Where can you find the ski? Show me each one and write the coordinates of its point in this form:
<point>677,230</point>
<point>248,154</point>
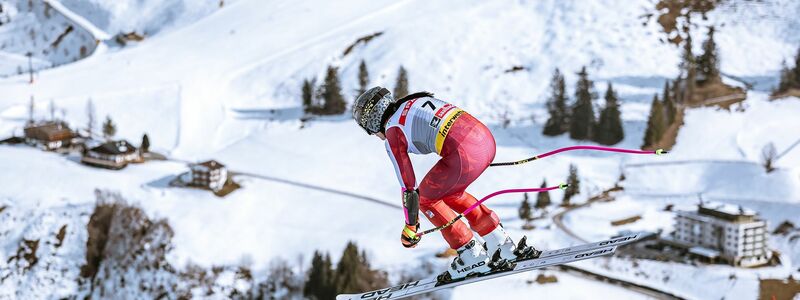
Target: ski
<point>616,241</point>
<point>547,258</point>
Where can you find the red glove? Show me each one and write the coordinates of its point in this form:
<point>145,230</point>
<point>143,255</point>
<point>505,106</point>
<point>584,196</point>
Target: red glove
<point>409,237</point>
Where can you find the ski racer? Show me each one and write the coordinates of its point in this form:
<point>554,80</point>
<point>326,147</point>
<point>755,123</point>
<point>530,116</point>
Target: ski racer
<point>421,124</point>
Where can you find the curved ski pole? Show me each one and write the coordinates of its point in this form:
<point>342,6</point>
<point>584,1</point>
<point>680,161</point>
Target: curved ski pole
<point>562,186</point>
<point>598,148</point>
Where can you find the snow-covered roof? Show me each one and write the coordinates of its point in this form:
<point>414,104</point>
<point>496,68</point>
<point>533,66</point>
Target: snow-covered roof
<point>728,208</point>
<point>115,148</point>
<point>703,251</point>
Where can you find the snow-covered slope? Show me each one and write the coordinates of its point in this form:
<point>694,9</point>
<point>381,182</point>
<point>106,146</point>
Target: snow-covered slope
<point>238,59</point>
<point>227,87</point>
<point>144,17</point>
<point>37,28</point>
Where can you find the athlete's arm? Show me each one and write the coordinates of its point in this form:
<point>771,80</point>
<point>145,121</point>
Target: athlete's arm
<point>397,148</point>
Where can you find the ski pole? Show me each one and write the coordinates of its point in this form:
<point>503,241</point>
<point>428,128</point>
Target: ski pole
<point>598,148</point>
<point>562,186</point>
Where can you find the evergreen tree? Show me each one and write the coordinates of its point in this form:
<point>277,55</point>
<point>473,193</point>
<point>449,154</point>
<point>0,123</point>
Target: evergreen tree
<point>574,185</point>
<point>655,124</point>
<point>308,96</point>
<point>582,118</point>
<point>401,88</point>
<point>787,79</point>
<point>320,278</point>
<point>543,198</point>
<point>708,62</point>
<point>558,122</point>
<point>670,108</point>
<point>609,130</point>
<point>676,92</point>
<point>525,209</point>
<point>109,128</point>
<point>363,78</point>
<point>144,147</point>
<point>331,93</point>
<point>688,68</point>
<point>90,119</point>
<point>353,273</point>
<point>796,70</point>
<point>790,77</point>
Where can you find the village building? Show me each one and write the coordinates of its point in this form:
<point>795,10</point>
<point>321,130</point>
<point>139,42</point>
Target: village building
<point>209,174</point>
<point>718,231</point>
<point>112,155</point>
<point>49,135</point>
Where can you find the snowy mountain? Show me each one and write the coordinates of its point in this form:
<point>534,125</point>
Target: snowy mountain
<point>223,82</point>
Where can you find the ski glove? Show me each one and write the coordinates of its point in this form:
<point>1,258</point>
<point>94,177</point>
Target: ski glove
<point>409,236</point>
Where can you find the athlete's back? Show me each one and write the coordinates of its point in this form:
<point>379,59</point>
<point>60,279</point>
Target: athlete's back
<point>425,122</point>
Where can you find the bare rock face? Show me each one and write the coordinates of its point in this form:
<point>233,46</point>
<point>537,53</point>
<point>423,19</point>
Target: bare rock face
<point>126,253</point>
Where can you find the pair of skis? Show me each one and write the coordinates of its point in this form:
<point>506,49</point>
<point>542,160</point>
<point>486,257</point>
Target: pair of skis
<point>545,259</point>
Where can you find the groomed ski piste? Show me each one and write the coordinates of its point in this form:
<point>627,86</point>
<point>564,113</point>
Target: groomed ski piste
<point>226,84</point>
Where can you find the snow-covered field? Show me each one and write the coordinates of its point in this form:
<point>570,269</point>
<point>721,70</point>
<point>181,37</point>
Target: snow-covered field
<point>716,164</point>
<point>224,83</point>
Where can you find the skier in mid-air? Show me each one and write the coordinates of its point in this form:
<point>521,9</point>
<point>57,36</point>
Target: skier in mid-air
<point>421,124</point>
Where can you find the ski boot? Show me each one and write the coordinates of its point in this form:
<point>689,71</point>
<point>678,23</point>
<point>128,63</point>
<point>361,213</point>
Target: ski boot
<point>472,261</point>
<point>499,240</point>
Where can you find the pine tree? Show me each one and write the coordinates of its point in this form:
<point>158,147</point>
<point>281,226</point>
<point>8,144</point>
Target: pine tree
<point>348,270</point>
<point>363,78</point>
<point>655,124</point>
<point>401,88</point>
<point>708,62</point>
<point>331,93</point>
<point>787,79</point>
<point>109,128</point>
<point>790,77</point>
<point>677,97</point>
<point>308,96</point>
<point>558,122</point>
<point>90,119</point>
<point>582,118</point>
<point>353,273</point>
<point>525,209</point>
<point>543,198</point>
<point>320,278</point>
<point>688,68</point>
<point>670,108</point>
<point>144,147</point>
<point>796,70</point>
<point>609,130</point>
<point>574,185</point>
